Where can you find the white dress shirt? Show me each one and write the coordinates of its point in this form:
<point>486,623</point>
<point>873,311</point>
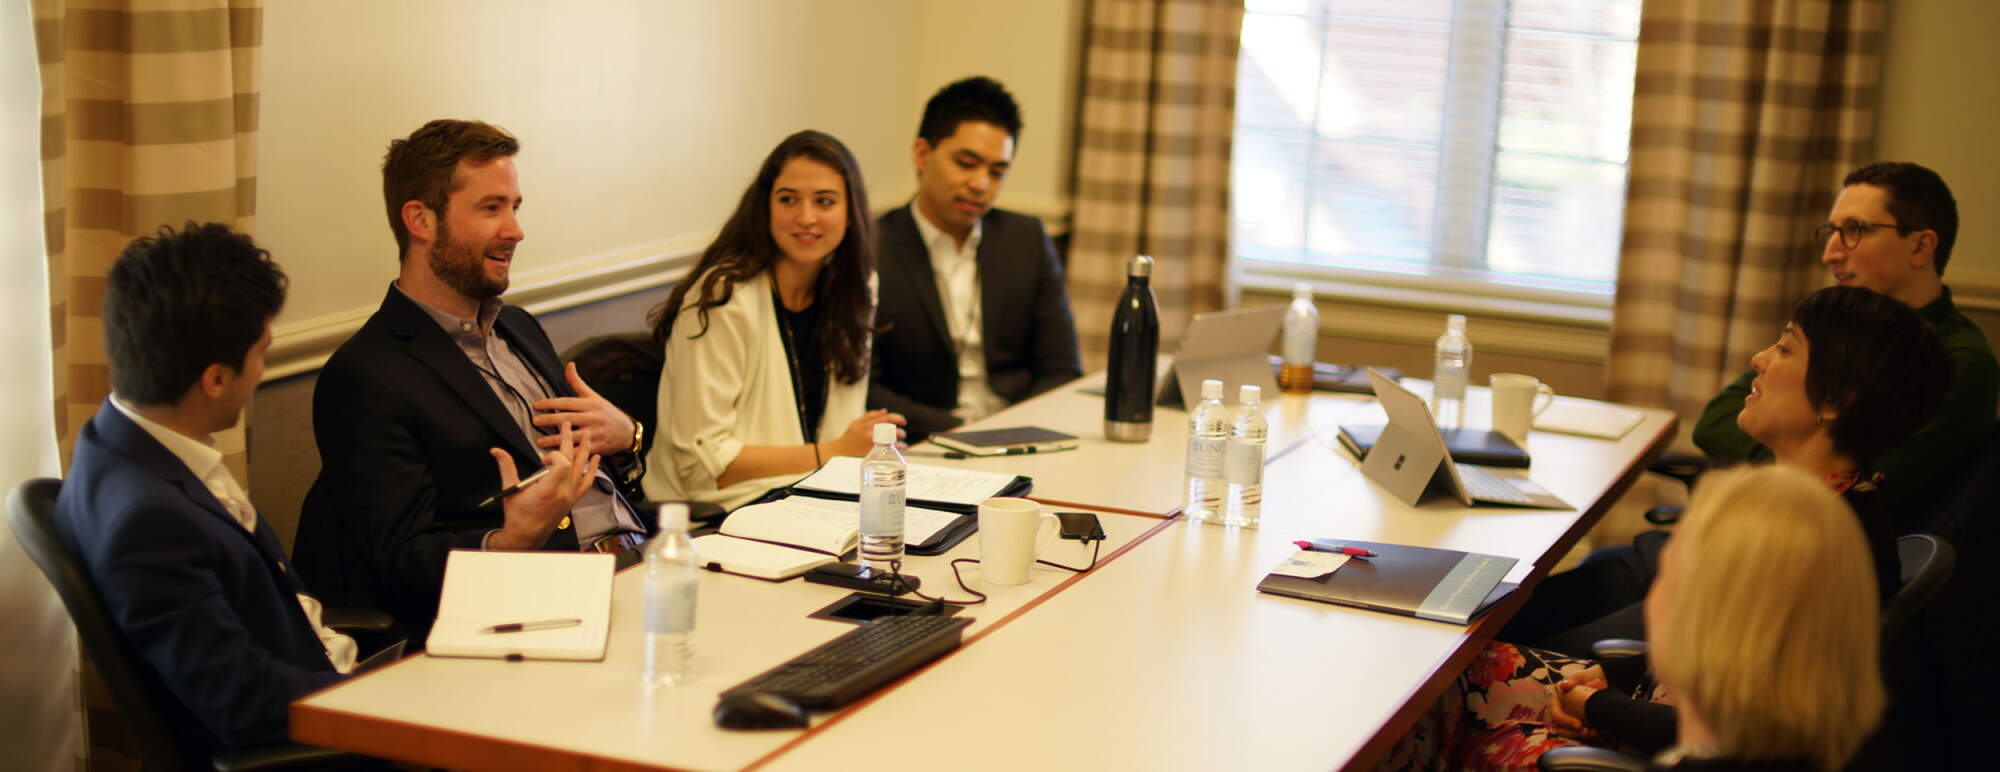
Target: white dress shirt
<point>206,463</point>
<point>957,269</point>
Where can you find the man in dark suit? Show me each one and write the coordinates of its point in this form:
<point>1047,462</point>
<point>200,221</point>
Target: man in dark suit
<point>447,395</point>
<point>973,299</point>
<point>192,574</point>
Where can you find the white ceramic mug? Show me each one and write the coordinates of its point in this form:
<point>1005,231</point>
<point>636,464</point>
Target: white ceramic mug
<point>1517,399</point>
<point>1012,533</point>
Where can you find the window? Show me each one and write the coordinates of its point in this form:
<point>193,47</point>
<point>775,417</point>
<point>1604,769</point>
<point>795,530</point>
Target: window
<point>1476,146</point>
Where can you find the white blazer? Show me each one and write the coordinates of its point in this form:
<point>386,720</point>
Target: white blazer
<point>729,388</point>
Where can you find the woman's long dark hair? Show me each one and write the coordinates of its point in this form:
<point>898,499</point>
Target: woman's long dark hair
<point>745,248</point>
<point>1876,362</point>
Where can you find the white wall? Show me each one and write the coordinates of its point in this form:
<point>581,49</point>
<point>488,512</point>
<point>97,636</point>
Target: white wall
<point>641,121</point>
<point>38,673</point>
<point>1939,105</point>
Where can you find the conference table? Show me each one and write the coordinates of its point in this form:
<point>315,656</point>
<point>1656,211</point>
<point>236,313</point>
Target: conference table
<point>1164,656</point>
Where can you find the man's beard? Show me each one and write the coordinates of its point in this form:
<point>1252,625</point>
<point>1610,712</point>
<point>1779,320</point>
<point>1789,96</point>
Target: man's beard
<point>463,268</point>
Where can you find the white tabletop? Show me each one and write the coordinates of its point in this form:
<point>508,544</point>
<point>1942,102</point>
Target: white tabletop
<point>487,714</point>
<point>1165,657</point>
<point>1170,658</point>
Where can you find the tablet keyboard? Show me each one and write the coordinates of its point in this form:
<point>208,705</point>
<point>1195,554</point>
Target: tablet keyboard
<point>847,668</point>
<point>1484,486</point>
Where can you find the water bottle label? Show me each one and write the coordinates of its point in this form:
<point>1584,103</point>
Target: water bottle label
<point>672,611</point>
<point>1244,463</point>
<point>1204,458</point>
<point>881,511</point>
<point>1299,349</point>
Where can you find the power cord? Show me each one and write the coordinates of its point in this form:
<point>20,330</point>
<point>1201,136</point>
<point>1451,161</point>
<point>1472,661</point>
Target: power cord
<point>937,604</point>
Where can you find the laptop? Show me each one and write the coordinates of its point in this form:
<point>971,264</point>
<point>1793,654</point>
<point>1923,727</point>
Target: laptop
<point>1229,346</point>
<point>1410,458</point>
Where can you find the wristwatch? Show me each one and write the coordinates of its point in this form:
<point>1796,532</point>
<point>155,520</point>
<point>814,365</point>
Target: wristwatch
<point>638,436</point>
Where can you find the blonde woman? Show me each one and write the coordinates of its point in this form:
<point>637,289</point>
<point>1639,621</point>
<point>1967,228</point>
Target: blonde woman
<point>1786,676</point>
<point>1764,641</point>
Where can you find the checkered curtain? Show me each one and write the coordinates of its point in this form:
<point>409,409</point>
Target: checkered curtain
<point>1745,116</point>
<point>149,118</point>
<point>1158,103</point>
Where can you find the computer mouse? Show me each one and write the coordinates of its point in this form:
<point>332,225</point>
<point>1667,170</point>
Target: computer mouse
<point>758,710</point>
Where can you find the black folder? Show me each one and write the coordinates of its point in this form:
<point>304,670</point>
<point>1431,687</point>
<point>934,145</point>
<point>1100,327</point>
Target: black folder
<point>1444,585</point>
<point>1479,447</point>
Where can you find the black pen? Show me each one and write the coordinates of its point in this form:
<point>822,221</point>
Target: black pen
<point>545,624</point>
<point>928,454</point>
<point>515,488</point>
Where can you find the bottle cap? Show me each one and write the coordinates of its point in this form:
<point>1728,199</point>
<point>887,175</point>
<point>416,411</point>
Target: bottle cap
<point>1142,265</point>
<point>1302,291</point>
<point>1249,395</point>
<point>885,434</point>
<point>1211,389</point>
<point>1455,323</point>
<point>673,516</point>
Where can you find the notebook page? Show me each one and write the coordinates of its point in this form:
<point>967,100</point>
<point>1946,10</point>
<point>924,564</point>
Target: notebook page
<point>842,474</point>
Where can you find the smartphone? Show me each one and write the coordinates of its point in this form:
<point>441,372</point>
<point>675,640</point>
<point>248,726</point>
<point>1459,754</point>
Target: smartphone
<point>1081,526</point>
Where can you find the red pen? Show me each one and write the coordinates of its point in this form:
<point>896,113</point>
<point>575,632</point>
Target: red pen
<point>1355,552</point>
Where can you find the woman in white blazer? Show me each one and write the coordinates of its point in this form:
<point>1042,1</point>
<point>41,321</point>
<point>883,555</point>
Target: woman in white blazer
<point>767,339</point>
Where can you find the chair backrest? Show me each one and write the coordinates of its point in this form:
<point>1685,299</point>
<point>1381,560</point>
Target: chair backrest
<point>150,710</point>
<point>1927,563</point>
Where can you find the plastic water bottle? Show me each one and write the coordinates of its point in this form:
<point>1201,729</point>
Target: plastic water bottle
<point>1135,352</point>
<point>883,476</point>
<point>1301,342</point>
<point>1243,462</point>
<point>1448,376</point>
<point>1208,438</point>
<point>672,578</point>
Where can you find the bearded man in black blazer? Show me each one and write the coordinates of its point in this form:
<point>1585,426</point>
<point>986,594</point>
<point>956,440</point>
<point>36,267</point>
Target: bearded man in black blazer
<point>447,395</point>
<point>190,572</point>
<point>972,297</point>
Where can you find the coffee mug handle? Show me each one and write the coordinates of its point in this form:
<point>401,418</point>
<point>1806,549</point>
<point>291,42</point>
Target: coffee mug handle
<point>1047,530</point>
<point>1544,395</point>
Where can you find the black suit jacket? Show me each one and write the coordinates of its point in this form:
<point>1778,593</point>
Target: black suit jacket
<point>1028,333</point>
<point>403,420</point>
<point>213,609</point>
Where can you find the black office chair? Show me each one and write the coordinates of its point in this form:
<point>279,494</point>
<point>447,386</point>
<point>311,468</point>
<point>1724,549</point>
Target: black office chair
<point>1927,563</point>
<point>159,724</point>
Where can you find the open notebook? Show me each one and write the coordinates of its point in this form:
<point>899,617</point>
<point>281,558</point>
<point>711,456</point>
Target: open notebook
<point>784,538</point>
<point>483,589</point>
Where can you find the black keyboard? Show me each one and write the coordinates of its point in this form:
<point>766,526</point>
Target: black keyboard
<point>847,668</point>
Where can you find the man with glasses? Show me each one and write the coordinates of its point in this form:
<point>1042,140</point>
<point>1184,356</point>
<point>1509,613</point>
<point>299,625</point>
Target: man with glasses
<point>1891,231</point>
<point>447,395</point>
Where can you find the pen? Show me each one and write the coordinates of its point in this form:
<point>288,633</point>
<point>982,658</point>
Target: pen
<point>546,624</point>
<point>929,454</point>
<point>1355,552</point>
<point>515,488</point>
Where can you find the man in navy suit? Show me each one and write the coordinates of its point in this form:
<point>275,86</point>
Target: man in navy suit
<point>972,297</point>
<point>448,395</point>
<point>192,574</point>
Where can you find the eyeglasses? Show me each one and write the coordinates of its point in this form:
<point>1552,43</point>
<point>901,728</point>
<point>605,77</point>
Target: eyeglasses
<point>1852,231</point>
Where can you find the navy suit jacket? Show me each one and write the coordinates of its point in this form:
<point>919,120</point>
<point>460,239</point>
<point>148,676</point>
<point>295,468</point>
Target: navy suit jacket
<point>213,609</point>
<point>403,420</point>
<point>1025,322</point>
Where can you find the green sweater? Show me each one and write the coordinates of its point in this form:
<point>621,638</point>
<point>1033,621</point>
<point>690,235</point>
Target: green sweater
<point>1965,418</point>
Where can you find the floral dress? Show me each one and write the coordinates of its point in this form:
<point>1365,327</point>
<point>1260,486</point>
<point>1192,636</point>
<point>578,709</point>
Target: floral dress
<point>1495,716</point>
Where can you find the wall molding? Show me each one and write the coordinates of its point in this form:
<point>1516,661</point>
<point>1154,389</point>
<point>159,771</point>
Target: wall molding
<point>304,345</point>
<point>1580,341</point>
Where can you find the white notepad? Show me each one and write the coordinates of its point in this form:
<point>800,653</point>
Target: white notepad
<point>482,589</point>
<point>1588,419</point>
<point>842,474</point>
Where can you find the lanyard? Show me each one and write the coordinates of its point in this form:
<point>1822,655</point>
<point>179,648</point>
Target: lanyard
<point>811,433</point>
